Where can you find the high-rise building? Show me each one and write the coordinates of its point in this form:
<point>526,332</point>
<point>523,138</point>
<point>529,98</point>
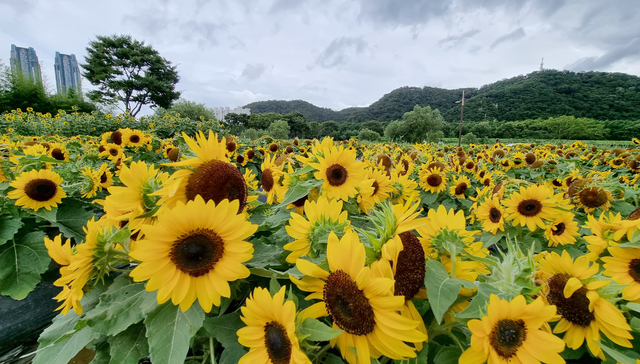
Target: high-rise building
<point>67,73</point>
<point>25,60</point>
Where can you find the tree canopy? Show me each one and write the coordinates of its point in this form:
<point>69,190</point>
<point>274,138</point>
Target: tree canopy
<point>128,71</point>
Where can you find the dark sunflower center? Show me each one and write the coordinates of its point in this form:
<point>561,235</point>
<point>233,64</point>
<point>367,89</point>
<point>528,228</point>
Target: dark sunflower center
<point>376,187</point>
<point>593,197</point>
<point>530,158</point>
<point>495,215</point>
<point>460,188</point>
<point>273,147</point>
<point>267,180</point>
<point>410,269</point>
<point>231,146</point>
<point>217,180</point>
<point>558,229</point>
<point>289,150</point>
<point>173,154</point>
<point>41,189</point>
<point>197,252</point>
<point>434,180</point>
<point>300,202</point>
<point>277,343</point>
<point>240,159</point>
<point>405,166</point>
<point>469,165</point>
<point>574,309</point>
<point>507,336</point>
<point>530,207</point>
<point>617,162</point>
<point>116,137</point>
<point>556,183</point>
<point>347,305</point>
<point>481,174</point>
<point>134,139</point>
<point>634,269</point>
<point>103,177</point>
<point>113,152</point>
<point>337,175</point>
<point>635,215</point>
<point>57,154</point>
<point>486,182</point>
<point>251,154</point>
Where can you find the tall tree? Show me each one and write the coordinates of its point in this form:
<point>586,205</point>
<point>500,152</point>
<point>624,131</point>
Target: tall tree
<point>128,71</point>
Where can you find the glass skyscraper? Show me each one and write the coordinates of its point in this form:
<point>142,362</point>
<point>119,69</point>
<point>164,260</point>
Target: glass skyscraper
<point>25,60</point>
<point>67,73</point>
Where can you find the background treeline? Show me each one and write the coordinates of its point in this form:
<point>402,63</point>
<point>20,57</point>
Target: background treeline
<point>21,92</point>
<point>540,94</point>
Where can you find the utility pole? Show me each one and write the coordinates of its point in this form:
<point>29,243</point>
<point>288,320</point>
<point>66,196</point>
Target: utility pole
<point>461,115</point>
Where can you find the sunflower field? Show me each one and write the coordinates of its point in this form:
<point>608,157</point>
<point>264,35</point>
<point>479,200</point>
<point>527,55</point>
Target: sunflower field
<point>201,248</point>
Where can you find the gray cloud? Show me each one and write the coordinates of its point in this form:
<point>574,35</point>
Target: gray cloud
<point>337,52</point>
<point>405,13</point>
<point>205,33</point>
<point>606,60</point>
<point>456,40</point>
<point>253,71</point>
<point>285,5</point>
<point>511,37</point>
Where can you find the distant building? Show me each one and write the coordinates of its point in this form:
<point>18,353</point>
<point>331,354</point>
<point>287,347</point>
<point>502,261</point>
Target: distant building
<point>220,112</point>
<point>26,61</point>
<point>67,73</point>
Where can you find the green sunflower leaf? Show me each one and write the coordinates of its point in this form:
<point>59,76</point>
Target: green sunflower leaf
<point>71,218</point>
<point>129,346</point>
<point>232,353</point>
<point>9,227</point>
<point>62,341</point>
<point>478,305</point>
<point>616,355</point>
<point>122,305</point>
<point>441,289</point>
<point>224,328</point>
<point>315,330</point>
<point>170,331</point>
<point>22,261</point>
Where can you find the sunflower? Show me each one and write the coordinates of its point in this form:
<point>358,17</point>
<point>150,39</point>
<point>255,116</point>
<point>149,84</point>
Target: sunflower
<point>530,206</point>
<point>593,197</point>
<point>569,285</point>
<point>404,188</point>
<point>83,266</point>
<point>37,189</point>
<point>460,186</point>
<point>270,180</point>
<point>623,266</point>
<point>133,137</point>
<point>513,332</point>
<point>210,175</point>
<point>193,252</point>
<point>310,234</point>
<point>491,214</point>
<point>339,172</point>
<point>381,185</point>
<point>562,230</point>
<point>136,197</point>
<point>605,232</point>
<point>105,177</point>
<point>60,253</point>
<point>359,301</point>
<point>270,333</point>
<point>111,151</point>
<point>432,179</point>
<point>58,152</point>
<point>90,183</point>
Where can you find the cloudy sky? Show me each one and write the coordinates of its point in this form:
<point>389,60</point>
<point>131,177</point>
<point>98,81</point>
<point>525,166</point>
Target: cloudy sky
<point>336,53</point>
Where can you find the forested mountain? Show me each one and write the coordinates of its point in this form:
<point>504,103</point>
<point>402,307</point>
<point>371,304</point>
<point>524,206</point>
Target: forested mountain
<point>541,94</point>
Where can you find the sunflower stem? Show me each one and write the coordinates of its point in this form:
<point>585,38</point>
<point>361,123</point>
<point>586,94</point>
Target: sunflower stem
<point>324,348</point>
<point>454,254</point>
<point>211,351</point>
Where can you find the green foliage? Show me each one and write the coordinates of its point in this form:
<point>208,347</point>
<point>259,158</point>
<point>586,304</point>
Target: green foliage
<point>469,138</point>
<point>186,109</point>
<point>253,134</point>
<point>420,124</point>
<point>170,331</point>
<point>128,71</point>
<point>279,129</point>
<point>368,135</point>
<point>442,290</point>
<point>22,260</point>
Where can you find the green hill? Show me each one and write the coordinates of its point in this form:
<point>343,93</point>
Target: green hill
<point>544,94</point>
